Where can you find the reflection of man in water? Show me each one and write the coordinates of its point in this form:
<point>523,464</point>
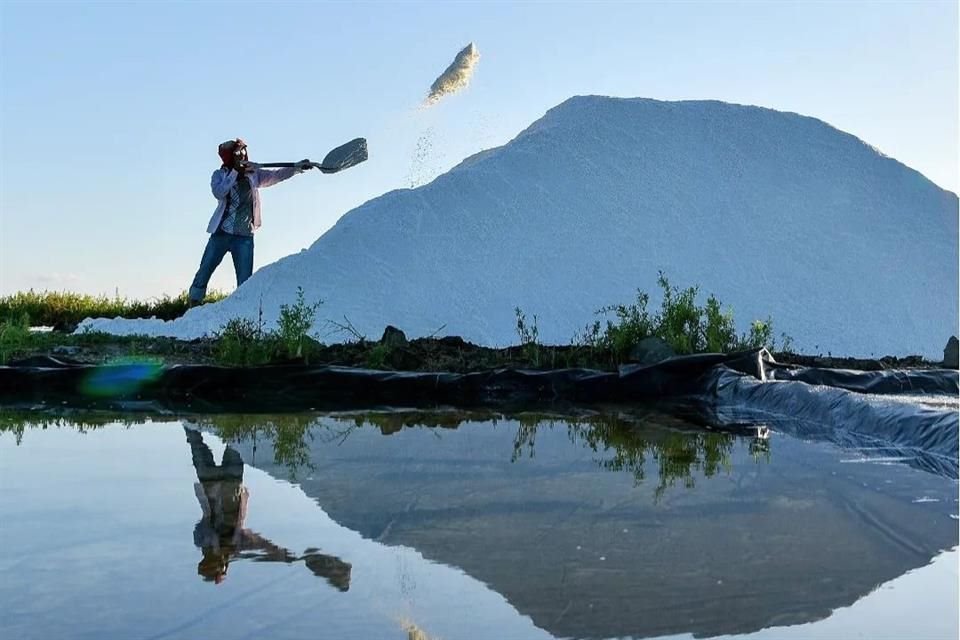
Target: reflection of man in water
<point>220,533</point>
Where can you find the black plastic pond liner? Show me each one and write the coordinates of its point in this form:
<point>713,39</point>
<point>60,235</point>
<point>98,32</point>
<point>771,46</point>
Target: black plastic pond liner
<point>937,381</point>
<point>918,431</point>
<point>295,387</point>
<point>862,410</point>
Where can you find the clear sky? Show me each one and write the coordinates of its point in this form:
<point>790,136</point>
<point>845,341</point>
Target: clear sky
<point>110,113</point>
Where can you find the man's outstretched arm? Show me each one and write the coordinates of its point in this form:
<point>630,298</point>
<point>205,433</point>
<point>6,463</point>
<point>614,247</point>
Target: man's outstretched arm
<point>270,177</point>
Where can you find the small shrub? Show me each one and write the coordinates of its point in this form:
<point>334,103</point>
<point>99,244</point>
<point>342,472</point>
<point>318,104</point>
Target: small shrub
<point>242,342</point>
<point>14,336</point>
<point>377,356</point>
<point>761,335</point>
<point>720,331</point>
<point>294,324</point>
<point>590,336</point>
<point>633,324</point>
<point>681,322</point>
<point>786,343</point>
<point>529,335</point>
<point>679,319</point>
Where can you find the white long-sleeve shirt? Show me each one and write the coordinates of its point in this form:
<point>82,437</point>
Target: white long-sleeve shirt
<point>223,180</point>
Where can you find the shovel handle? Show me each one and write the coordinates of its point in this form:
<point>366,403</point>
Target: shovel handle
<point>343,157</point>
<point>284,165</point>
<point>287,165</point>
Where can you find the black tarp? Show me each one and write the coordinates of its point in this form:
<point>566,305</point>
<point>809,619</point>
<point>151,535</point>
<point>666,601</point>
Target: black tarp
<point>909,381</point>
<point>920,430</point>
<point>907,414</point>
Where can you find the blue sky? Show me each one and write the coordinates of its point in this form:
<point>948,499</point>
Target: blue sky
<point>110,113</point>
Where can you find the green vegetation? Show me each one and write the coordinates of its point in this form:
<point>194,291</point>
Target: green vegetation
<point>295,322</point>
<point>529,333</point>
<point>14,336</point>
<point>683,324</point>
<point>720,333</point>
<point>64,310</point>
<point>243,342</point>
<point>378,355</point>
<point>17,340</point>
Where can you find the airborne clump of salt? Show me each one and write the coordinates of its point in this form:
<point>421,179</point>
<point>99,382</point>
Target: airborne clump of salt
<point>456,77</point>
<point>425,165</point>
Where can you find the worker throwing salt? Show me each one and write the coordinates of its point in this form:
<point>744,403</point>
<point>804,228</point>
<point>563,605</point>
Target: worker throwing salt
<point>236,186</point>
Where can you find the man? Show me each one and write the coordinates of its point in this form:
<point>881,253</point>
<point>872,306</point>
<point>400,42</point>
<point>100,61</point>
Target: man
<point>236,186</point>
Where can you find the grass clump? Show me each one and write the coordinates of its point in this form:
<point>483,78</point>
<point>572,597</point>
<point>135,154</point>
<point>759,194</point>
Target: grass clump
<point>680,319</point>
<point>294,324</point>
<point>14,337</point>
<point>245,342</point>
<point>378,355</point>
<point>529,335</point>
<point>632,324</point>
<point>681,322</point>
<point>720,331</point>
<point>18,340</point>
<point>62,309</point>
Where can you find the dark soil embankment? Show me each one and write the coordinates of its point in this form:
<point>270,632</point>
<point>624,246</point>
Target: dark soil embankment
<point>451,354</point>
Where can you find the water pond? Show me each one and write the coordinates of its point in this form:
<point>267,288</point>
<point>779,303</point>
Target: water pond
<point>462,525</point>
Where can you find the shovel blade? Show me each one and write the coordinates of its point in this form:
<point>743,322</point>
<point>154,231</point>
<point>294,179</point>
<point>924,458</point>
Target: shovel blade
<point>345,156</point>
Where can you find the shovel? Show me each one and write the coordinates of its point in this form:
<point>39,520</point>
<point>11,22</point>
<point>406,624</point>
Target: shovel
<point>343,157</point>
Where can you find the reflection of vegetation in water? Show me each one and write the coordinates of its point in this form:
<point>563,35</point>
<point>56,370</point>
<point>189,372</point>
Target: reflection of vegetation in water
<point>287,434</point>
<point>625,441</point>
<point>760,449</point>
<point>393,421</point>
<point>628,443</point>
<point>291,435</point>
<point>17,422</point>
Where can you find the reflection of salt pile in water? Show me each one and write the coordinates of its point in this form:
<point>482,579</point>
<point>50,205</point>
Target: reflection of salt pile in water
<point>848,250</point>
<point>456,77</point>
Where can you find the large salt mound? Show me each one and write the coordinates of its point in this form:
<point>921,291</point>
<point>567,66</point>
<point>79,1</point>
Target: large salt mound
<point>849,251</point>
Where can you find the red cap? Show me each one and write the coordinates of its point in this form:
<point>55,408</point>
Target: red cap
<point>226,149</point>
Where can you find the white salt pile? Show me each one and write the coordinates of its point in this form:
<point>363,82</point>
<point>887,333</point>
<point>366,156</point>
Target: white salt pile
<point>849,251</point>
<point>456,77</point>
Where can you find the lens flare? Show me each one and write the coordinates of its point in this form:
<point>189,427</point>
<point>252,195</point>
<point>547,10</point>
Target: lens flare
<point>120,378</point>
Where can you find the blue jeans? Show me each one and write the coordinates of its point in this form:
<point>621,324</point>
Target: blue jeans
<point>240,249</point>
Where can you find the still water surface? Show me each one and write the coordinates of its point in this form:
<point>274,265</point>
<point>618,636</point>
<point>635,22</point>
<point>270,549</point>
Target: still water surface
<point>457,525</point>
